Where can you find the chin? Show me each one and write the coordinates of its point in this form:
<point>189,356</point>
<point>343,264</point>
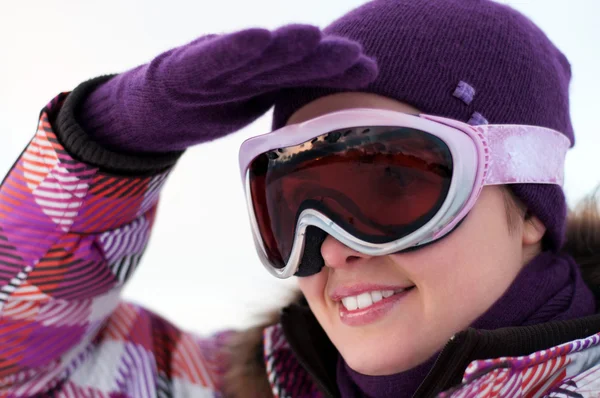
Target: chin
<point>380,357</point>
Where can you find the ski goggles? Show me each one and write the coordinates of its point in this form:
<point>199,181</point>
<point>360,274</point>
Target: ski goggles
<point>381,181</point>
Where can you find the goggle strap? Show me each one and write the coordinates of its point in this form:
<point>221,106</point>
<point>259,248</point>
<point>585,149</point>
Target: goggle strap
<point>524,154</point>
<point>516,154</point>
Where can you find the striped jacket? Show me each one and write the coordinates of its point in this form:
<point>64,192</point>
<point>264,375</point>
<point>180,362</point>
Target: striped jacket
<point>74,221</point>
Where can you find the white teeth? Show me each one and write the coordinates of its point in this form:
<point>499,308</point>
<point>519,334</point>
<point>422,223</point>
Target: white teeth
<point>350,303</point>
<point>367,299</point>
<point>364,300</point>
<point>376,296</point>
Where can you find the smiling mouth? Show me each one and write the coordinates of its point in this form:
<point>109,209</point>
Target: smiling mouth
<point>368,299</point>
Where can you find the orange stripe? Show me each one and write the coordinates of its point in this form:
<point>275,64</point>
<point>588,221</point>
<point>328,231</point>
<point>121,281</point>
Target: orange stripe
<point>17,349</point>
<point>15,185</point>
<point>19,166</point>
<point>95,209</point>
<point>8,199</point>
<point>126,187</point>
<point>14,193</point>
<point>28,179</point>
<point>37,274</point>
<point>112,211</point>
<point>192,348</point>
<point>529,378</point>
<point>536,382</point>
<point>95,188</point>
<point>24,293</point>
<point>9,368</point>
<point>40,164</point>
<point>36,148</point>
<point>117,184</point>
<point>55,259</point>
<point>8,328</point>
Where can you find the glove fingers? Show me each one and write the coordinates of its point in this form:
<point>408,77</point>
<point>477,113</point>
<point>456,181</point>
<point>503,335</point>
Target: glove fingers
<point>360,75</point>
<point>290,44</point>
<point>357,76</point>
<point>206,58</point>
<point>332,57</point>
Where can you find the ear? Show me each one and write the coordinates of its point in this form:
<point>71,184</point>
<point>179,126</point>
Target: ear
<point>533,231</point>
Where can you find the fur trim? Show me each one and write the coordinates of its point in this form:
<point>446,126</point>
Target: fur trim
<point>583,239</point>
<point>246,377</point>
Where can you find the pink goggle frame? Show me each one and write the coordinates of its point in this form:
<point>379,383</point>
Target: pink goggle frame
<point>482,155</point>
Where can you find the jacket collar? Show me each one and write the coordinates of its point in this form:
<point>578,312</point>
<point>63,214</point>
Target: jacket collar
<point>301,360</point>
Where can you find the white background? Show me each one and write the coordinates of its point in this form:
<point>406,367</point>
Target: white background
<point>201,270</point>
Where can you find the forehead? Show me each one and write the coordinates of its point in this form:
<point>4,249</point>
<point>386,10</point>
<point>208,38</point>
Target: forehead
<point>341,101</point>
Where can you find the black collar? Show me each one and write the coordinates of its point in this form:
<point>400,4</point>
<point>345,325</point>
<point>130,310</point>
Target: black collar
<point>318,356</point>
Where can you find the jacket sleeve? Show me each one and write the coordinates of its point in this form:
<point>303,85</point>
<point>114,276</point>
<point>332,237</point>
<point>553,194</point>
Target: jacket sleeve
<point>74,222</point>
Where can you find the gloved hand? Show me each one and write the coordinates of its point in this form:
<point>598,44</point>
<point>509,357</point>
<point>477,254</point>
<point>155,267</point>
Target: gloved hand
<point>216,85</point>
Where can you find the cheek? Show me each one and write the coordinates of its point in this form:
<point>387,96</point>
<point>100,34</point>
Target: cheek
<point>314,288</point>
<point>463,274</point>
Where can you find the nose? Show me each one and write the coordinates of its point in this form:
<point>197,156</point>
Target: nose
<point>337,255</point>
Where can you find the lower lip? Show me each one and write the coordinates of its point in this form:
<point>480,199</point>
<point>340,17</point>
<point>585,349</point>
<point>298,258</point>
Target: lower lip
<point>373,313</point>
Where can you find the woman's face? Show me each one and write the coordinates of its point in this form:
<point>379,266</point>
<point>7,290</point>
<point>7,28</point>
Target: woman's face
<point>454,280</point>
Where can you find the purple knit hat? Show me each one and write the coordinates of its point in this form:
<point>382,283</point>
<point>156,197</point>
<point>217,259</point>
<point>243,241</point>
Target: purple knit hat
<point>472,60</point>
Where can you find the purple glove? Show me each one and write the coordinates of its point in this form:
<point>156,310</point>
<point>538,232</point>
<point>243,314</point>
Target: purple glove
<point>216,85</point>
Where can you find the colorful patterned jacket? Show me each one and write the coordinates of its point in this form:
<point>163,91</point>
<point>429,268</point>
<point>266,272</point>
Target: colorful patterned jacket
<point>74,221</point>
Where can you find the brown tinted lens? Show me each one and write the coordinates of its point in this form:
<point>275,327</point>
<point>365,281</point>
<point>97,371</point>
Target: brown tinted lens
<point>378,183</point>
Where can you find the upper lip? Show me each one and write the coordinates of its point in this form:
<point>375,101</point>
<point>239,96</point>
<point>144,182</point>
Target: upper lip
<point>339,293</point>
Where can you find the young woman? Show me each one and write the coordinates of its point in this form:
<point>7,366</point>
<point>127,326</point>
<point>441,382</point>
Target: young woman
<point>412,183</point>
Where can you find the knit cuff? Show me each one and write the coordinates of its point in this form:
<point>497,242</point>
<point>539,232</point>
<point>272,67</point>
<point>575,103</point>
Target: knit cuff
<point>98,114</point>
<point>84,148</point>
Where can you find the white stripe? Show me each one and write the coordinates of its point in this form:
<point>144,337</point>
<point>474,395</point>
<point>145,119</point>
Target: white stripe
<point>129,239</point>
<point>41,169</point>
<point>62,222</point>
<point>42,141</point>
<point>31,312</point>
<point>58,205</point>
<point>65,177</point>
<point>31,292</point>
<point>115,245</point>
<point>14,283</point>
<point>125,264</point>
<point>33,177</point>
<point>107,239</point>
<point>20,312</point>
<point>40,146</point>
<point>151,195</point>
<point>52,194</point>
<point>52,311</point>
<point>48,152</point>
<point>33,157</point>
<point>144,373</point>
<point>52,185</point>
<point>59,213</point>
<point>140,237</point>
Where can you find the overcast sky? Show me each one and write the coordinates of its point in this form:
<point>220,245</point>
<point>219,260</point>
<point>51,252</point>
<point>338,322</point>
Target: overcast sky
<point>201,270</point>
